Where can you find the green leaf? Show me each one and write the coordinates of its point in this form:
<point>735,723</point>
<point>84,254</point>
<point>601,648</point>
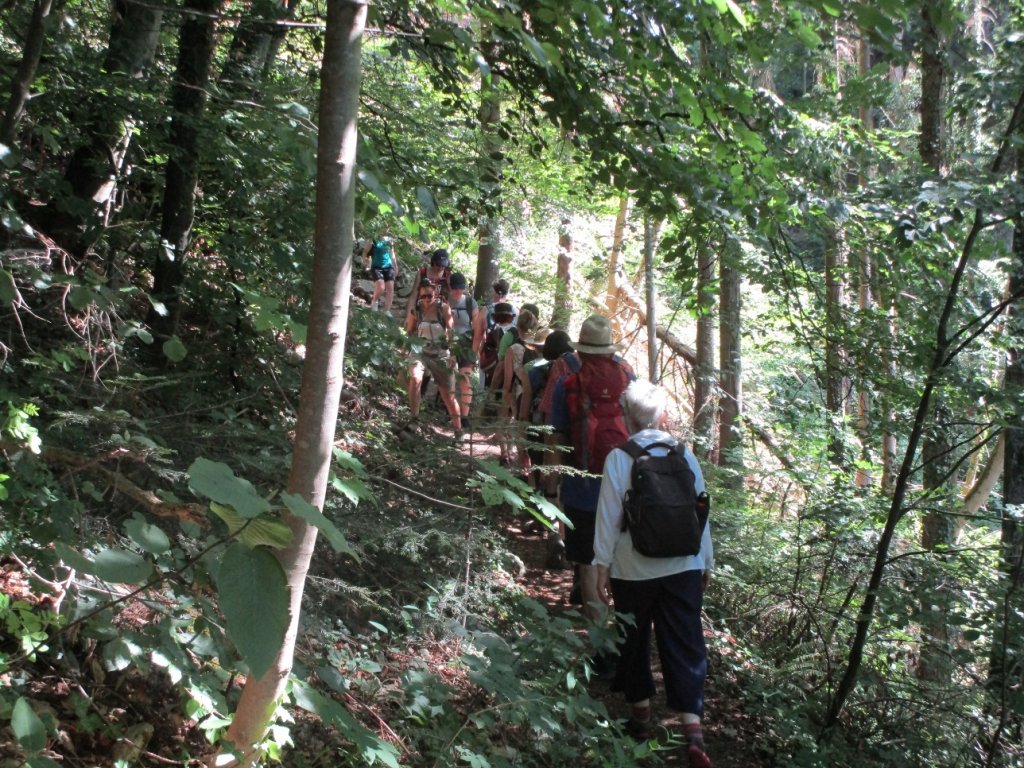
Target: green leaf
<point>427,202</point>
<point>737,13</point>
<point>254,597</point>
<point>8,289</point>
<point>254,532</point>
<point>119,654</point>
<point>216,481</point>
<point>113,565</point>
<point>174,350</point>
<point>27,727</point>
<point>299,507</point>
<point>372,183</point>
<point>148,536</point>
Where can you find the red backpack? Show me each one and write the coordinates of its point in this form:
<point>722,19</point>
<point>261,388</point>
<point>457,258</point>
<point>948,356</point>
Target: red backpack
<point>596,424</point>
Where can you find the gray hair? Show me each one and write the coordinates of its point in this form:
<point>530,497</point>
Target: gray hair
<point>644,404</point>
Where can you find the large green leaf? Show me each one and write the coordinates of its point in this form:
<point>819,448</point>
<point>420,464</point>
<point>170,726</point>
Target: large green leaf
<point>113,565</point>
<point>216,481</point>
<point>254,599</point>
<point>27,727</point>
<point>254,532</point>
<point>299,507</point>
<point>149,537</point>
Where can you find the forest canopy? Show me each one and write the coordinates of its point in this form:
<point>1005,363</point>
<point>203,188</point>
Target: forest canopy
<point>223,533</point>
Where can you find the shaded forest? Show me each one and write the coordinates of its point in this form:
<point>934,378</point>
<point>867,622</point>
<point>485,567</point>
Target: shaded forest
<point>225,541</point>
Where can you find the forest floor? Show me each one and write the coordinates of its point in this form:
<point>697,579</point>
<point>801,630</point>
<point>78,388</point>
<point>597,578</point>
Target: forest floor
<point>731,735</point>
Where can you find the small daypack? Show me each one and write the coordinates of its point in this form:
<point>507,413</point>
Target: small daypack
<point>489,353</point>
<point>664,513</point>
<point>596,423</point>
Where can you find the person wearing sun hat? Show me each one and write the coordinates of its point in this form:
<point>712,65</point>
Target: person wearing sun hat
<point>589,393</point>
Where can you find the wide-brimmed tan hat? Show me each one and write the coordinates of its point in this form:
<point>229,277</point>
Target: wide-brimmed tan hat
<point>536,339</point>
<point>596,337</point>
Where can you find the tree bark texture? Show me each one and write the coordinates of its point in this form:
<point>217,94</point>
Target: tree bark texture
<point>254,45</point>
<point>933,75</point>
<point>836,383</point>
<point>652,300</point>
<point>188,102</point>
<point>92,172</point>
<point>489,167</point>
<point>730,381</point>
<point>562,313</point>
<point>21,83</point>
<point>704,373</point>
<point>615,268</point>
<point>938,527</point>
<point>1006,668</point>
<point>323,369</point>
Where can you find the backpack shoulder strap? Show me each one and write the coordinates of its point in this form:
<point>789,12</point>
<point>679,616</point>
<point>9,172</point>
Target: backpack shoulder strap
<point>633,450</point>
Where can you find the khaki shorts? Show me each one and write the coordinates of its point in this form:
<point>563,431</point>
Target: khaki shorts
<point>439,367</point>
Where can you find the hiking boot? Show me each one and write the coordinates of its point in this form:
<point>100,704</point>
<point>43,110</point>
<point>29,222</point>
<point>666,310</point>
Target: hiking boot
<point>556,556</point>
<point>640,729</point>
<point>698,757</point>
<point>576,595</point>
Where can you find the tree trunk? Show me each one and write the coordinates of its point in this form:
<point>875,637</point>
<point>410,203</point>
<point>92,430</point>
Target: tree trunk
<point>615,268</point>
<point>704,373</point>
<point>561,316</point>
<point>188,102</point>
<point>933,75</point>
<point>254,46</point>
<point>323,368</point>
<point>938,527</point>
<point>21,83</point>
<point>730,383</point>
<point>836,257</point>
<point>865,299</point>
<point>92,171</point>
<point>1006,666</point>
<point>652,299</point>
<point>489,165</point>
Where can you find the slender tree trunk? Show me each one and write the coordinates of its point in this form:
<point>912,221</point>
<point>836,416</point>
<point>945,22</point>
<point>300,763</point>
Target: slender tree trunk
<point>489,164</point>
<point>704,373</point>
<point>188,100</point>
<point>21,83</point>
<point>323,368</point>
<point>254,46</point>
<point>92,172</point>
<point>652,300</point>
<point>1006,666</point>
<point>562,313</point>
<point>836,258</point>
<point>615,268</point>
<point>730,383</point>
<point>865,299</point>
<point>938,526</point>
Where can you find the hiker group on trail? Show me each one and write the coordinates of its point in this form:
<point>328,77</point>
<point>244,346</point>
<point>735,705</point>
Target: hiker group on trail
<point>575,420</point>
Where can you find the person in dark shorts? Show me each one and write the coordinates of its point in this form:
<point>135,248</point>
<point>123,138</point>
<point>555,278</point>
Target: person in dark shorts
<point>379,255</point>
<point>464,329</point>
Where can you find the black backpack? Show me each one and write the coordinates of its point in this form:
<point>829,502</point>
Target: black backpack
<point>664,513</point>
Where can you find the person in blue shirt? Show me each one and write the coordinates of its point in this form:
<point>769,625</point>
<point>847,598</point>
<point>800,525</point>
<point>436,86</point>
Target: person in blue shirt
<point>379,255</point>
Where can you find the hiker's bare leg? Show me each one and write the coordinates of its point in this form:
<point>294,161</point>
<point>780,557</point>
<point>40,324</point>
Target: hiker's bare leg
<point>593,607</point>
<point>415,383</point>
<point>465,384</point>
<point>389,294</point>
<point>378,289</point>
<point>449,403</point>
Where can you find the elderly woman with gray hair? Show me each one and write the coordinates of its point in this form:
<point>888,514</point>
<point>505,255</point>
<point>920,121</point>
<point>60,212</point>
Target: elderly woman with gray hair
<point>665,593</point>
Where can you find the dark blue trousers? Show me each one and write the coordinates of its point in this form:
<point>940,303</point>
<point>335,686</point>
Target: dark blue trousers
<point>670,605</point>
